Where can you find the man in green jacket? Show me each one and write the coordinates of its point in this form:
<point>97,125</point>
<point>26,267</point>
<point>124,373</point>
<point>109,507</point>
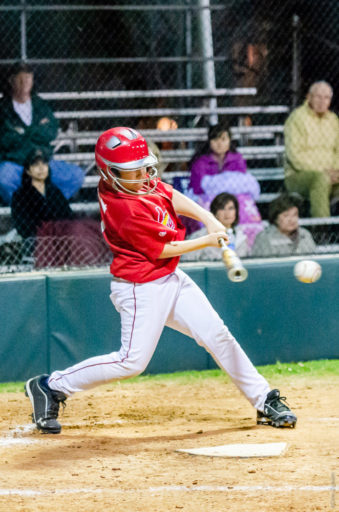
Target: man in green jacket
<point>312,150</point>
<point>28,123</point>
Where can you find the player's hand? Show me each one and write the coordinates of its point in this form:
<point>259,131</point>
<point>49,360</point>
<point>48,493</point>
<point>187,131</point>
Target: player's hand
<point>213,238</point>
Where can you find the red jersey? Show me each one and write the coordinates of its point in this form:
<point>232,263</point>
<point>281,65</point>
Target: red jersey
<point>136,227</point>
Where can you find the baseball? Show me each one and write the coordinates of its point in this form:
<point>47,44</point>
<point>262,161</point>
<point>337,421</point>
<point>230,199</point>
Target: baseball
<point>307,271</point>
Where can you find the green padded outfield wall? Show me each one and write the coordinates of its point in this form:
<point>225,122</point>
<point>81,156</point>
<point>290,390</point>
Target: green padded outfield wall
<point>24,340</point>
<point>53,320</point>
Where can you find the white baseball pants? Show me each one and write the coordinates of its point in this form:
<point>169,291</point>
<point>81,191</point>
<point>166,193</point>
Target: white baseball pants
<point>177,302</point>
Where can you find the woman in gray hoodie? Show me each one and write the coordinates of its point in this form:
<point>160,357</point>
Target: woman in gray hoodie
<point>283,236</point>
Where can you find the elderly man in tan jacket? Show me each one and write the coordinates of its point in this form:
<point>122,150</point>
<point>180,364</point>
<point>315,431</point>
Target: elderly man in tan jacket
<point>312,150</point>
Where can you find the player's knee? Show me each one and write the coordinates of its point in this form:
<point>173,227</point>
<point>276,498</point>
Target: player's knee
<point>224,337</point>
<point>134,367</point>
<point>218,339</point>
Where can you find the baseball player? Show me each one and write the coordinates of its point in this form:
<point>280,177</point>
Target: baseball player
<point>140,224</point>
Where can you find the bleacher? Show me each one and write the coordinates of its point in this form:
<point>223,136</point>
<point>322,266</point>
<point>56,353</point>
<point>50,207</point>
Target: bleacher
<point>79,142</point>
<point>261,144</point>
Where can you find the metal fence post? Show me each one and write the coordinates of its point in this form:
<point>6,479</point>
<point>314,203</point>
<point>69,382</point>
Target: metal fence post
<point>206,40</point>
<point>188,44</point>
<point>23,21</point>
<point>296,61</point>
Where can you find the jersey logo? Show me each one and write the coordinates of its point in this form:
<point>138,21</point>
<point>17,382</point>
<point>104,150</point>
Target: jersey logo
<point>162,233</point>
<point>164,218</point>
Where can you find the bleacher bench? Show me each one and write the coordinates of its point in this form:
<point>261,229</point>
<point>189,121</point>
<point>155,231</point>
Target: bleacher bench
<point>75,139</point>
<point>182,155</point>
<point>255,142</point>
<point>173,178</point>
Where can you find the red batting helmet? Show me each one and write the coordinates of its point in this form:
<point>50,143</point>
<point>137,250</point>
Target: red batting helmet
<point>123,149</point>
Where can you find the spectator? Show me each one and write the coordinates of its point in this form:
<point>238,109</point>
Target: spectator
<point>312,150</point>
<point>43,217</point>
<point>37,200</point>
<point>166,123</point>
<point>27,123</point>
<point>225,208</point>
<point>217,168</point>
<point>283,236</point>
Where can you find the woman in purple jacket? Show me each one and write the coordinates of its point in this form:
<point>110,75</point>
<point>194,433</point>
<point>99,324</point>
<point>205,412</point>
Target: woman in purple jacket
<point>218,168</point>
<point>216,156</point>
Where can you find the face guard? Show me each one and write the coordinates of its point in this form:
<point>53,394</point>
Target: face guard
<point>148,184</point>
<point>124,149</point>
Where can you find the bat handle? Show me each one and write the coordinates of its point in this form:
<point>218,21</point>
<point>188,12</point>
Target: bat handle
<point>236,271</point>
<point>223,244</point>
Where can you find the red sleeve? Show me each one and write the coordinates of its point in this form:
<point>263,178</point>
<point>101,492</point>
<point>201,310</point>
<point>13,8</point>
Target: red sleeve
<point>146,235</point>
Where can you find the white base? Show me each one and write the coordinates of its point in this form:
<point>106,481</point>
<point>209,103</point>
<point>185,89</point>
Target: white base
<point>240,450</point>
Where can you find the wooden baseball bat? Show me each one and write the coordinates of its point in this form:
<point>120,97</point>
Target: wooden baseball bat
<point>236,271</point>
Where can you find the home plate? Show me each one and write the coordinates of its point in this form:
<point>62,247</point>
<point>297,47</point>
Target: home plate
<point>240,450</point>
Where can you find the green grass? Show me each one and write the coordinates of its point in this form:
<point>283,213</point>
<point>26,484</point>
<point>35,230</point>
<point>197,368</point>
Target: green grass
<point>321,368</point>
<point>11,387</point>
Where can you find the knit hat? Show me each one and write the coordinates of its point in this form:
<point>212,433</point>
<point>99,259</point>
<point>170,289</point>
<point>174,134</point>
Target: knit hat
<point>34,156</point>
<point>20,67</point>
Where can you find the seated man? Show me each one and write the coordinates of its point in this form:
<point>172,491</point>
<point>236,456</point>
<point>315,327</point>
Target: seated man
<point>28,123</point>
<point>312,150</point>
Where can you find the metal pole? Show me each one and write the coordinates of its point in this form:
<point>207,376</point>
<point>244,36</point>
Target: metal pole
<point>206,41</point>
<point>295,61</point>
<point>23,20</point>
<point>188,36</point>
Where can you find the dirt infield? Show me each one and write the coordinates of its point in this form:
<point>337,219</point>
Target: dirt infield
<point>117,451</point>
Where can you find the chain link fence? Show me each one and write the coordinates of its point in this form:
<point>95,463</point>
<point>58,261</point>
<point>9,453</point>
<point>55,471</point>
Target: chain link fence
<point>244,63</point>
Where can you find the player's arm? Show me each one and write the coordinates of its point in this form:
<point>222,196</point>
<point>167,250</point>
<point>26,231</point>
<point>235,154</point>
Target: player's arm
<point>185,206</point>
<point>178,248</point>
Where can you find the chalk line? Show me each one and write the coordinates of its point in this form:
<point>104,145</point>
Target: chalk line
<point>18,436</point>
<point>173,489</point>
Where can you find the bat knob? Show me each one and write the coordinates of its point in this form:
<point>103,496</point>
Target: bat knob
<point>237,275</point>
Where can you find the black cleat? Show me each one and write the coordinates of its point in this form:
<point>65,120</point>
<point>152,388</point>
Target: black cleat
<point>45,403</point>
<point>275,412</point>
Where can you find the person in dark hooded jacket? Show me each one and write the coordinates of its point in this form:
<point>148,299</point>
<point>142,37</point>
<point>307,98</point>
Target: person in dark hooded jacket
<point>37,200</point>
<point>27,123</point>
